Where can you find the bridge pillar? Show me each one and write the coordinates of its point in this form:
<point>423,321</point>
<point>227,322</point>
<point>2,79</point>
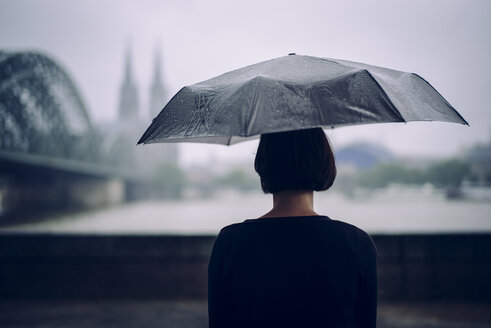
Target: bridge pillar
<point>96,193</point>
<point>58,193</point>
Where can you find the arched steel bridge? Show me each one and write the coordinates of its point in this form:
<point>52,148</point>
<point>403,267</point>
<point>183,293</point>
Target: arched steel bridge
<point>50,152</point>
<point>43,119</point>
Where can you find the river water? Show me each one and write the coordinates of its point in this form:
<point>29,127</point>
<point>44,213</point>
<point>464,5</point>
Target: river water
<point>388,212</point>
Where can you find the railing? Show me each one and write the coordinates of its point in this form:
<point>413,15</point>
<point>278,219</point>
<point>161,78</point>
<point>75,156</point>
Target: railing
<point>448,267</point>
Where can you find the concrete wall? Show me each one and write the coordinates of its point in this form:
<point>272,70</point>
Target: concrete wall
<point>411,267</point>
<point>434,267</point>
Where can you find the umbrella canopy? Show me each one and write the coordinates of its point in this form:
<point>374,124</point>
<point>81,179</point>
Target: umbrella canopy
<point>295,92</point>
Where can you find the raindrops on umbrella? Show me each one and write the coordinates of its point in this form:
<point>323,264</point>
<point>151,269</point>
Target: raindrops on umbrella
<point>295,92</point>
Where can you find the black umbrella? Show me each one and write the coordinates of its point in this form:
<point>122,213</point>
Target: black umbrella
<point>295,92</point>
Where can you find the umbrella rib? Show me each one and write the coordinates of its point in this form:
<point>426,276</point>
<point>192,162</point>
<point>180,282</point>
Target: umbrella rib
<point>389,101</point>
<point>253,109</point>
<point>336,62</point>
<point>444,100</point>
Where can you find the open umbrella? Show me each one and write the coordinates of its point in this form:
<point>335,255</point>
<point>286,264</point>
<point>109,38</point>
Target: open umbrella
<point>295,92</point>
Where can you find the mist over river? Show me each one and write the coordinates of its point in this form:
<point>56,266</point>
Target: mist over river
<point>387,212</point>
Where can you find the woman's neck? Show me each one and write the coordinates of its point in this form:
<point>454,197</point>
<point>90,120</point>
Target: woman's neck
<point>292,203</point>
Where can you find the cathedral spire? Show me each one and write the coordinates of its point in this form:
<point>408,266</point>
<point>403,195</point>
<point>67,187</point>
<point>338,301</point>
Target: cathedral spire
<point>128,64</point>
<point>128,97</point>
<point>157,68</point>
<point>157,91</point>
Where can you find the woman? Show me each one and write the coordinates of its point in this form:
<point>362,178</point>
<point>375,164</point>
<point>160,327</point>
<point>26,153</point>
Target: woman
<point>293,267</point>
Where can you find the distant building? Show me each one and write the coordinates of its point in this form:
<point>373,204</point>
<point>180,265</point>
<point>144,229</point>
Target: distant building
<point>479,157</point>
<point>362,155</point>
<point>157,91</point>
<point>128,96</point>
<point>121,136</point>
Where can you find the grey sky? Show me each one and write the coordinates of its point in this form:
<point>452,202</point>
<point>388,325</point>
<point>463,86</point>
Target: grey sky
<point>447,42</point>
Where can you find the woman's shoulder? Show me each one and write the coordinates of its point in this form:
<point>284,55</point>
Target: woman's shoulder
<point>320,227</point>
<point>357,235</point>
<point>349,227</point>
<point>230,231</point>
<point>231,228</point>
<point>294,222</point>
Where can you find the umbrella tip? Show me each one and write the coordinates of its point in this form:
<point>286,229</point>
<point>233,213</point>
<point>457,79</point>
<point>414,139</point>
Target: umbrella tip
<point>291,54</point>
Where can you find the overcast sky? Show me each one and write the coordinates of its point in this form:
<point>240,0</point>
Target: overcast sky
<point>446,42</point>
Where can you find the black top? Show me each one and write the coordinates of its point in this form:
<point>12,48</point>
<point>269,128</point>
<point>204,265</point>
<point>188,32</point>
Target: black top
<point>292,272</point>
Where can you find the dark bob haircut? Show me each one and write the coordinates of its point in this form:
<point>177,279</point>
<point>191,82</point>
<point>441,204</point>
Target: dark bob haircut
<point>295,160</point>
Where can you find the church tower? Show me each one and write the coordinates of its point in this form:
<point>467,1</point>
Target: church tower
<point>157,92</point>
<point>128,97</point>
<point>169,152</point>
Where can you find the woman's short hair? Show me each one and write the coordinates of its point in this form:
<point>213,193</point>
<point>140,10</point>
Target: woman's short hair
<point>295,160</point>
